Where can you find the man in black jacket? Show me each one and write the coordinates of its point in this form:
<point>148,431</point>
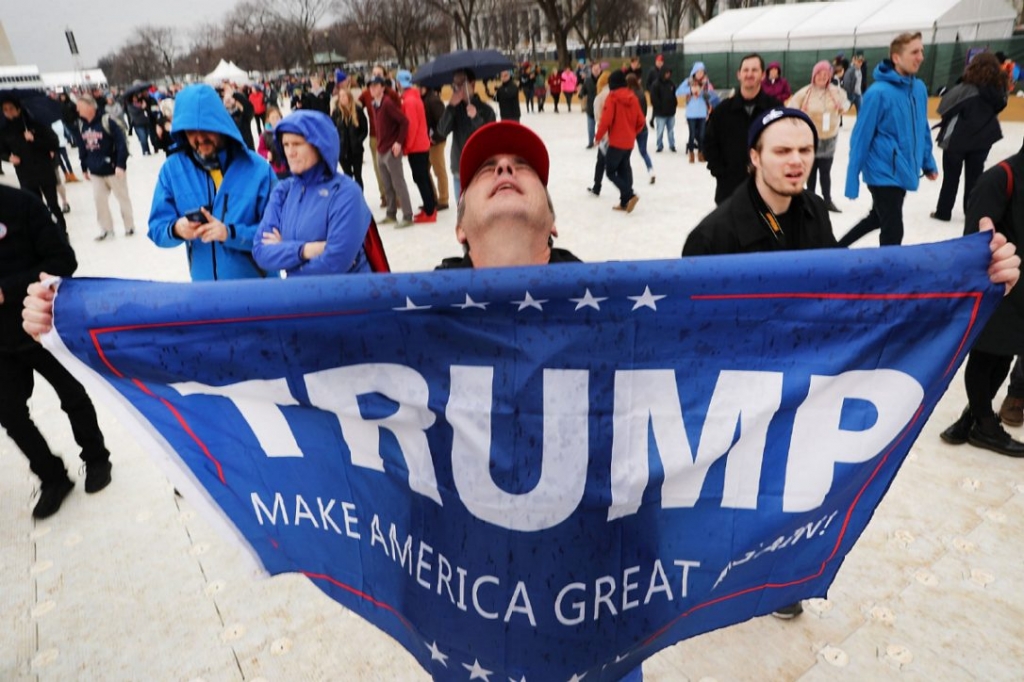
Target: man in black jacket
<point>103,151</point>
<point>31,242</point>
<point>31,149</point>
<point>725,138</point>
<point>507,96</point>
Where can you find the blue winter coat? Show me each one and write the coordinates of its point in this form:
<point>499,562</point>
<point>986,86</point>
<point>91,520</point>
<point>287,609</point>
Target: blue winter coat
<point>184,185</point>
<point>318,204</point>
<point>891,142</point>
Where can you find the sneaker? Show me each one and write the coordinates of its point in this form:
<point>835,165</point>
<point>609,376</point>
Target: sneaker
<point>423,217</point>
<point>404,223</point>
<point>104,235</point>
<point>961,428</point>
<point>631,204</point>
<point>65,209</point>
<point>596,191</point>
<point>996,440</point>
<point>129,232</point>
<point>51,497</point>
<point>388,220</point>
<point>442,207</point>
<point>832,207</point>
<point>1012,411</point>
<point>789,612</point>
<point>97,476</point>
<point>935,216</point>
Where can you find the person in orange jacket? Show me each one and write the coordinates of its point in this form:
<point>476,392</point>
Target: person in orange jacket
<point>621,121</point>
<point>417,147</point>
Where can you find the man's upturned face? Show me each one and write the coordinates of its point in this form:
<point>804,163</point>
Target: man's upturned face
<point>908,60</point>
<point>204,143</point>
<point>785,158</point>
<point>299,153</point>
<point>750,74</point>
<point>505,190</point>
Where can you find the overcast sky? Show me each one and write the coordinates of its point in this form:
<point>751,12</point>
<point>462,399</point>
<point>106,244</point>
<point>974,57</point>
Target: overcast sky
<point>36,27</point>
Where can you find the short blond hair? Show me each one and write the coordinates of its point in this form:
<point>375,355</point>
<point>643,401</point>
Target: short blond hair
<point>901,41</point>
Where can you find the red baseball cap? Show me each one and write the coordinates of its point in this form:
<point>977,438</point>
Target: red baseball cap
<point>504,137</point>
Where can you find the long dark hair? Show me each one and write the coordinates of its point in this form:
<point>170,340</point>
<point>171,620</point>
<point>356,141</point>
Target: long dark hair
<point>985,70</point>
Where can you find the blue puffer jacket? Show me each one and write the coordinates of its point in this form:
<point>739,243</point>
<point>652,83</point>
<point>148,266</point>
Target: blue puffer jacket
<point>318,204</point>
<point>185,185</point>
<point>891,142</point>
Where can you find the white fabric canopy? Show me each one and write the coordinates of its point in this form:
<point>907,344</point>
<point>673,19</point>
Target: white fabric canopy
<point>227,71</point>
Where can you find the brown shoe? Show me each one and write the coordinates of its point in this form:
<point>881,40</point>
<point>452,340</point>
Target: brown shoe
<point>700,157</point>
<point>631,204</point>
<point>1012,411</point>
<point>689,155</point>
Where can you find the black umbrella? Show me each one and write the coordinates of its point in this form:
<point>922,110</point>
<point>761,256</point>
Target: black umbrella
<point>137,87</point>
<point>39,107</point>
<point>483,63</point>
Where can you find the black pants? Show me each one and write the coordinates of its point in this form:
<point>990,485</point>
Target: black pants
<point>599,167</point>
<point>620,172</point>
<point>822,167</point>
<point>886,215</point>
<point>48,193</point>
<point>419,162</point>
<point>973,164</point>
<point>983,377</point>
<point>18,382</point>
<point>354,169</point>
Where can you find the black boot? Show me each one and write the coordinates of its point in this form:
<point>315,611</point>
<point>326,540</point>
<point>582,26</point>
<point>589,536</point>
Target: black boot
<point>52,497</point>
<point>989,434</point>
<point>958,433</point>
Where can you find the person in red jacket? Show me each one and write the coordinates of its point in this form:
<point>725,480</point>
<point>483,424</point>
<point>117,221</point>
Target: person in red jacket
<point>555,86</point>
<point>417,147</point>
<point>621,121</point>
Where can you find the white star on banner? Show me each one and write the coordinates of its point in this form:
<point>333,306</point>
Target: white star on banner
<point>646,299</point>
<point>577,678</point>
<point>620,659</point>
<point>476,672</point>
<point>588,300</point>
<point>521,679</point>
<point>409,305</point>
<point>530,302</point>
<point>436,655</point>
<point>470,303</point>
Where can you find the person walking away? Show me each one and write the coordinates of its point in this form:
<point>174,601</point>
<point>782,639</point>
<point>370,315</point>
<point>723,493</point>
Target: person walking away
<point>540,88</point>
<point>316,220</point>
<point>621,121</point>
<point>968,129</point>
<point>138,114</point>
<point>417,146</point>
<point>555,86</point>
<point>589,91</point>
<point>824,103</point>
<point>641,139</point>
<point>392,128</point>
<point>259,107</point>
<point>568,84</point>
<point>852,83</point>
<point>774,84</point>
<point>34,243</point>
<point>725,145</point>
<point>350,121</point>
<point>665,104</point>
<point>434,108</point>
<point>891,144</point>
<point>103,152</point>
<point>600,160</point>
<point>507,96</point>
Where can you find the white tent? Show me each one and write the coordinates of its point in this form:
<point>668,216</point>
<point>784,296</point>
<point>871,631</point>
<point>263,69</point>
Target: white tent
<point>66,79</point>
<point>857,23</point>
<point>227,71</point>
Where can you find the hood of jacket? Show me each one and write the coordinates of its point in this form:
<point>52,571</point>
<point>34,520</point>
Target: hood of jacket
<point>773,65</point>
<point>199,107</point>
<point>957,94</point>
<point>318,130</point>
<point>698,66</point>
<point>886,71</point>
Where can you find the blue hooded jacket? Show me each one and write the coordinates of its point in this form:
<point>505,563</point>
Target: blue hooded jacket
<point>696,107</point>
<point>891,142</point>
<point>318,204</point>
<point>184,185</point>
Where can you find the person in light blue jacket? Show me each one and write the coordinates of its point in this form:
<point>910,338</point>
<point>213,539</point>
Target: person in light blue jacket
<point>891,144</point>
<point>210,196</point>
<point>317,219</point>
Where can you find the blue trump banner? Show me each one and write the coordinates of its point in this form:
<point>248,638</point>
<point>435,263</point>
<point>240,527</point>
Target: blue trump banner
<point>543,473</point>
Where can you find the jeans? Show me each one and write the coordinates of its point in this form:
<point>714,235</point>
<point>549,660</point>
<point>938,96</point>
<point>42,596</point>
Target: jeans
<point>696,141</point>
<point>620,172</point>
<point>886,215</point>
<point>822,167</point>
<point>662,123</point>
<point>972,163</point>
<point>641,145</point>
<point>142,132</point>
<point>591,128</point>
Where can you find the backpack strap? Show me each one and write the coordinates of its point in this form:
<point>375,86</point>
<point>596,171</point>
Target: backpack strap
<point>374,248</point>
<point>1009,178</point>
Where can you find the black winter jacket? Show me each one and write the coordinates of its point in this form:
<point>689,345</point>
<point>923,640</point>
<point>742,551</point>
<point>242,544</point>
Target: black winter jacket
<point>30,243</point>
<point>37,166</point>
<point>663,98</point>
<point>725,140</point>
<point>976,110</point>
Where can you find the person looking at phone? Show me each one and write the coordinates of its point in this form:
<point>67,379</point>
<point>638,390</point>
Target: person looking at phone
<point>317,219</point>
<point>211,196</point>
<point>465,113</point>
